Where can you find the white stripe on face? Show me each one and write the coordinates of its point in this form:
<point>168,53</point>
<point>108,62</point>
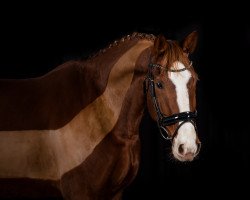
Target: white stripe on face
<point>186,134</point>
<point>180,80</point>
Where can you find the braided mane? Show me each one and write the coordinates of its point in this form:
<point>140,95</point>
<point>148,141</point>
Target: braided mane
<point>135,35</point>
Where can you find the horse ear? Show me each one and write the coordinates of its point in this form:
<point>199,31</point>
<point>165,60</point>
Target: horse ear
<point>160,45</point>
<point>189,43</point>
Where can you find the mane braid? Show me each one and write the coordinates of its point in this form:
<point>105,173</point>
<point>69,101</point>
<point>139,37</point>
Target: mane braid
<point>135,35</point>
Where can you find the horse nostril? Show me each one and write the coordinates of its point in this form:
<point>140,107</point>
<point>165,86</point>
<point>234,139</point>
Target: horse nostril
<point>181,148</point>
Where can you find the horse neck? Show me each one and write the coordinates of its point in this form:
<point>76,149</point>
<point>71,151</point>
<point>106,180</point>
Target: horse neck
<point>134,102</point>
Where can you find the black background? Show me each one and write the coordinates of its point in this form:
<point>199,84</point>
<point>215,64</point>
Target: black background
<point>36,40</point>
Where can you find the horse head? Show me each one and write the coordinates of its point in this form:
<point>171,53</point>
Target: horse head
<point>171,94</point>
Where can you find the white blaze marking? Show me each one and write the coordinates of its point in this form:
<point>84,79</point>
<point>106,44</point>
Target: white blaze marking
<point>180,80</point>
<point>186,134</point>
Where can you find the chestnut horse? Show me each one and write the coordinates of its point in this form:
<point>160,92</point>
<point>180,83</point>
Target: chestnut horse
<point>74,132</point>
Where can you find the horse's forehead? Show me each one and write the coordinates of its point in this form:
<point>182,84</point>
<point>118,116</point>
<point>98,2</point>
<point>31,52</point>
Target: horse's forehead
<point>179,79</point>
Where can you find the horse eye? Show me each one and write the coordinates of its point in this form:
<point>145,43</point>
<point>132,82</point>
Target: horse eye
<point>159,85</point>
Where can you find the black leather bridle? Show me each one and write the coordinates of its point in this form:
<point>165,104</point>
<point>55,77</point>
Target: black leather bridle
<point>162,119</point>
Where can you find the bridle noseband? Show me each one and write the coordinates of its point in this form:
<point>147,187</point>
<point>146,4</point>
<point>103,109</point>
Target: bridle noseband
<point>163,120</point>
